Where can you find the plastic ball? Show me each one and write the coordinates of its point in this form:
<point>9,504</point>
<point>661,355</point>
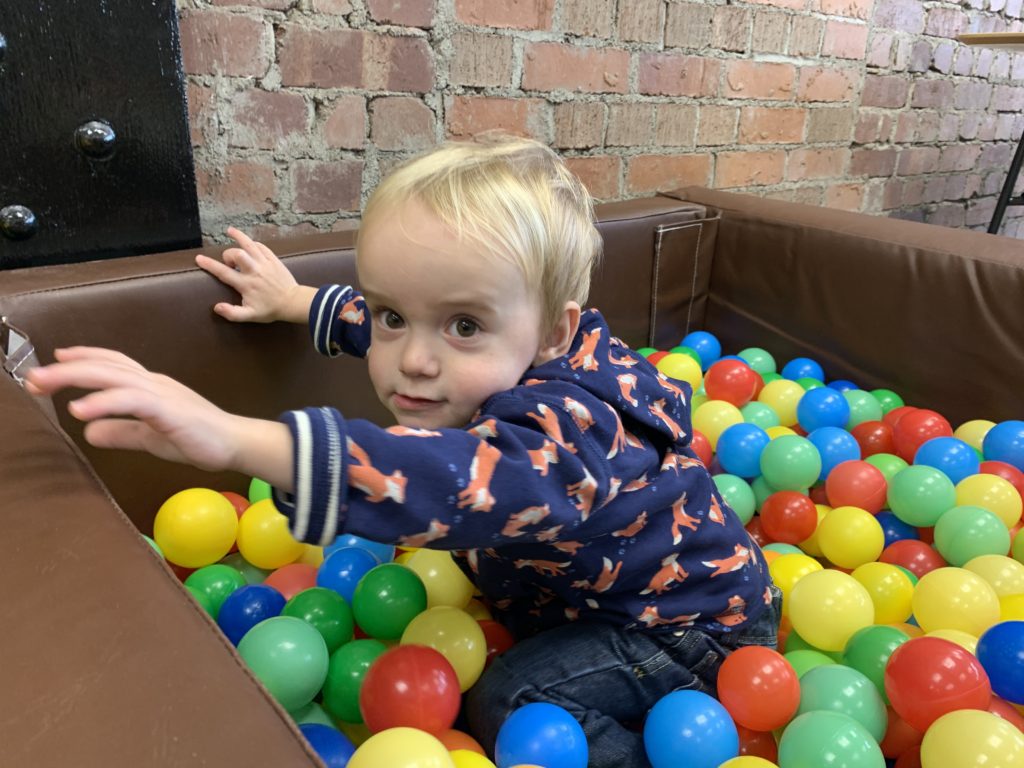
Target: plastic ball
<point>342,569</point>
<point>1001,652</point>
<point>835,446</point>
<point>964,533</point>
<point>826,737</point>
<point>195,527</point>
<point>291,579</point>
<point>805,659</point>
<point>857,484</point>
<point>800,367</point>
<point>264,539</point>
<point>916,428</point>
<point>968,642</point>
<point>410,686</point>
<point>738,495</point>
<point>850,537</point>
<point>689,728</point>
<point>259,490</point>
<point>330,744</point>
<point>822,407</point>
<point>827,607</point>
<point>890,589</point>
<point>759,688</point>
<point>739,449</point>
<point>464,758</point>
<point>756,744</point>
<point>888,464</point>
<point>899,737</point>
<point>401,748</point>
<point>788,517</point>
<point>748,761</point>
<point>888,399</point>
<point>970,738</point>
<point>714,417</point>
<point>873,437</point>
<point>787,570</point>
<point>1004,574</point>
<point>460,740</point>
<point>927,677</point>
<point>868,651</point>
<point>993,493</point>
<point>456,635</point>
<point>541,734</point>
<point>250,572</point>
<point>289,657</point>
<point>497,639</point>
<point>863,407</point>
<point>1005,442</point>
<point>386,599</point>
<point>444,581</point>
<point>894,528</point>
<point>383,552</point>
<point>216,582</point>
<point>839,688</point>
<point>790,463</point>
<point>345,674</point>
<point>810,545</point>
<point>783,396</point>
<point>760,414</point>
<point>953,457</point>
<point>1009,473</point>
<point>759,359</point>
<point>733,381</point>
<point>919,494</point>
<point>682,368</point>
<point>704,344</point>
<point>973,432</point>
<point>324,610</point>
<point>955,598</point>
<point>700,445</point>
<point>246,607</point>
<point>1011,608</point>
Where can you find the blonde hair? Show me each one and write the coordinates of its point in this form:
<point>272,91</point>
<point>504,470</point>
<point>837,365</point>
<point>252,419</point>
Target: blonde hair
<point>515,197</point>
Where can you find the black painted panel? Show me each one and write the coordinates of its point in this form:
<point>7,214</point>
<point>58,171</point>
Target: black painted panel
<point>67,67</point>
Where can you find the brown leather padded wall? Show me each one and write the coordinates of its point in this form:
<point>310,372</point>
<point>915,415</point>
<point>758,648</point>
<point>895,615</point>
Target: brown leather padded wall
<point>931,312</point>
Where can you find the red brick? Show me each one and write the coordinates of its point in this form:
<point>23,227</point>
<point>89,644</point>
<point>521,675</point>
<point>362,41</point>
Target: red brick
<point>467,116</point>
<point>345,126</point>
<point>868,128</point>
<point>932,93</point>
<point>202,114</point>
<point>650,173</point>
<point>515,14</point>
<point>959,157</point>
<point>855,9</point>
<point>401,123</point>
<point>229,44</point>
<point>976,96</point>
<point>688,25</point>
<point>889,91</point>
<point>332,7</point>
<point>321,58</point>
<point>758,80</point>
<point>793,5</point>
<point>826,84</point>
<point>676,125</point>
<point>927,129</point>
<point>747,169</point>
<point>672,74</point>
<point>807,164</point>
<point>769,32</point>
<point>630,125</point>
<point>717,125</point>
<point>905,16</point>
<point>945,22</point>
<point>880,50</point>
<point>942,58</point>
<point>407,13</point>
<point>830,124</point>
<point>872,162</point>
<point>730,28</point>
<point>845,40</point>
<point>805,36</point>
<point>268,231</point>
<point>393,63</point>
<point>481,60</point>
<point>268,5</point>
<point>555,66</point>
<point>327,187</point>
<point>766,125</point>
<point>917,160</point>
<point>580,124</point>
<point>845,197</point>
<point>267,119</point>
<point>906,128</point>
<point>238,188</point>
<point>588,18</point>
<point>641,21</point>
<point>600,174</point>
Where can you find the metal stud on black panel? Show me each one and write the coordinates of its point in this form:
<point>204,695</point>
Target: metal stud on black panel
<point>3,48</point>
<point>17,222</point>
<point>96,139</point>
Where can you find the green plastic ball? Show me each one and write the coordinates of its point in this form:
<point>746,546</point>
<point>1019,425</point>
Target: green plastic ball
<point>790,463</point>
<point>386,599</point>
<point>289,657</point>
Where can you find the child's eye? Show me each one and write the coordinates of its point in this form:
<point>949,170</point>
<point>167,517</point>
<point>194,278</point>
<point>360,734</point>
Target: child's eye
<point>391,320</point>
<point>464,327</point>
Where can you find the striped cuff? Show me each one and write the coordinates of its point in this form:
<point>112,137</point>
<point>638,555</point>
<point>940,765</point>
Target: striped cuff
<point>320,462</point>
<point>323,313</point>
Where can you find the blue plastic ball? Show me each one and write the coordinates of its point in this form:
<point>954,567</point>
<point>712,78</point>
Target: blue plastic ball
<point>1001,652</point>
<point>704,344</point>
<point>689,728</point>
<point>541,734</point>
<point>739,449</point>
<point>842,385</point>
<point>835,445</point>
<point>246,607</point>
<point>822,407</point>
<point>330,744</point>
<point>895,529</point>
<point>950,455</point>
<point>1005,442</point>
<point>384,553</point>
<point>342,569</point>
<point>802,367</point>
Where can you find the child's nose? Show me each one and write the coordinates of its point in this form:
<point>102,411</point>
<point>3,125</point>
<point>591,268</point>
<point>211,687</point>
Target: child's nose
<point>418,359</point>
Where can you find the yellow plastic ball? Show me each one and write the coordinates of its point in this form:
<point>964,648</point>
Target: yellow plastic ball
<point>973,432</point>
<point>967,738</point>
<point>811,545</point>
<point>891,591</point>
<point>455,635</point>
<point>1004,574</point>
<point>264,539</point>
<point>478,610</point>
<point>714,417</point>
<point>850,536</point>
<point>782,395</point>
<point>467,758</point>
<point>827,607</point>
<point>779,431</point>
<point>786,570</point>
<point>993,493</point>
<point>1011,608</point>
<point>955,598</point>
<point>401,748</point>
<point>683,367</point>
<point>195,527</point>
<point>964,640</point>
<point>311,555</point>
<point>445,582</point>
<point>748,761</point>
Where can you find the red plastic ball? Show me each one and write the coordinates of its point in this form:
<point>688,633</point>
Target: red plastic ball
<point>757,532</point>
<point>1006,471</point>
<point>240,503</point>
<point>927,677</point>
<point>857,484</point>
<point>892,417</point>
<point>916,428</point>
<point>909,759</point>
<point>702,447</point>
<point>916,556</point>
<point>759,688</point>
<point>731,380</point>
<point>899,737</point>
<point>758,744</point>
<point>654,357</point>
<point>410,686</point>
<point>1004,709</point>
<point>873,437</point>
<point>291,579</point>
<point>789,517</point>
<point>497,637</point>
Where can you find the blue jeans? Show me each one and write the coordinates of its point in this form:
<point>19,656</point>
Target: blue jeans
<point>607,678</point>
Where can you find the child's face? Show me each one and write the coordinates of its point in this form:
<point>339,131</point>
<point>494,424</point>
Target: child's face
<point>452,324</point>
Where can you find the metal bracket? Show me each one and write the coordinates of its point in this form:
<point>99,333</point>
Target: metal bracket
<point>17,357</point>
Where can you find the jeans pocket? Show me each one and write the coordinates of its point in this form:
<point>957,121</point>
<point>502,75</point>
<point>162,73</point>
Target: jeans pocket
<point>701,656</point>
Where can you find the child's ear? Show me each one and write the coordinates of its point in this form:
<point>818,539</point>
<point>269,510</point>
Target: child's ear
<point>559,338</point>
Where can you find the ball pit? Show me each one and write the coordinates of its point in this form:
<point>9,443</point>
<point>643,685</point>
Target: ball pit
<point>893,537</point>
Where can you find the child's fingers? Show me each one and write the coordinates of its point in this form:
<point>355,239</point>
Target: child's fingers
<point>89,374</point>
<point>220,270</point>
<point>115,401</point>
<point>241,260</point>
<point>247,243</point>
<point>119,433</point>
<point>236,313</point>
<point>78,353</point>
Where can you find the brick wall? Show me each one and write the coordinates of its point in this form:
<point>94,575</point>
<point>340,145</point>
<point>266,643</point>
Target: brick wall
<point>299,106</point>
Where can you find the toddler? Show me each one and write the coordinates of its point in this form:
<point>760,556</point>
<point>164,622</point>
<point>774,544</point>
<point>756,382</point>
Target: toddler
<point>552,460</point>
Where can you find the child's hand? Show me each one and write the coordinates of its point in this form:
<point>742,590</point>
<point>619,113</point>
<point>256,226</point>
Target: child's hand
<point>268,290</point>
<point>164,417</point>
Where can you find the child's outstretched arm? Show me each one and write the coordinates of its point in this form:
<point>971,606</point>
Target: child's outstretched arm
<point>268,291</point>
<point>132,408</point>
